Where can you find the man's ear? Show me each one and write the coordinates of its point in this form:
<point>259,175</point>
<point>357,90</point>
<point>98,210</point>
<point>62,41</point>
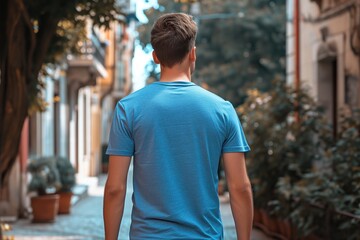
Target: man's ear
<point>192,55</point>
<point>156,60</point>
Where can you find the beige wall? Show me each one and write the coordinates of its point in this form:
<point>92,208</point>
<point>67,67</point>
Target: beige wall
<point>109,36</point>
<point>311,42</point>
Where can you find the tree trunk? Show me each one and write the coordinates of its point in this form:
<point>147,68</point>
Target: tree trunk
<point>15,61</point>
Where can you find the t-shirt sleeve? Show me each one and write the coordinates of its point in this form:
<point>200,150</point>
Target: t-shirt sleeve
<point>120,141</point>
<point>235,140</point>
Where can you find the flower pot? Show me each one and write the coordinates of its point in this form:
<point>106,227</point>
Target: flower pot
<point>269,222</point>
<point>65,202</point>
<point>257,216</point>
<point>311,237</point>
<point>284,228</point>
<point>45,208</point>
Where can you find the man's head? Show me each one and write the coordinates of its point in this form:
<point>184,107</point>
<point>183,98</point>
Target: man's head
<point>173,37</point>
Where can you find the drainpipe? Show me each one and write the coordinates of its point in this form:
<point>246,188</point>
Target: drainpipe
<point>297,43</point>
<point>297,51</point>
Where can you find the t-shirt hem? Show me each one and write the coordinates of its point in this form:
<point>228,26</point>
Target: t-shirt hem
<point>157,238</point>
<point>118,152</point>
<point>236,149</point>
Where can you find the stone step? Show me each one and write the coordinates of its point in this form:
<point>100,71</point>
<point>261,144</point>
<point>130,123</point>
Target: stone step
<point>80,191</point>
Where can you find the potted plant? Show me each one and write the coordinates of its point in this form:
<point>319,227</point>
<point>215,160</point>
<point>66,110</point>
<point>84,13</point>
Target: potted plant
<point>44,183</point>
<point>67,179</point>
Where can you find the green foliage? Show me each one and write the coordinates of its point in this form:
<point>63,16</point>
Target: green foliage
<point>62,24</point>
<point>244,51</point>
<point>67,174</point>
<point>299,171</point>
<point>337,188</point>
<point>45,176</point>
<point>345,165</point>
<point>101,12</point>
<point>345,157</point>
<point>314,198</point>
<point>66,41</point>
<point>286,147</point>
<point>51,174</point>
<point>241,44</point>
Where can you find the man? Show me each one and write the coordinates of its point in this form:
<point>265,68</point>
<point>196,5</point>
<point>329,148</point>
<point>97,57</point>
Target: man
<point>177,133</point>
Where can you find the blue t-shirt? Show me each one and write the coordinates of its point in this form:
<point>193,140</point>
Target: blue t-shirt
<point>176,132</point>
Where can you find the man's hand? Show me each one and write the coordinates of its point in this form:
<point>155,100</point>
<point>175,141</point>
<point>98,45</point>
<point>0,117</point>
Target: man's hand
<point>114,195</point>
<point>240,193</point>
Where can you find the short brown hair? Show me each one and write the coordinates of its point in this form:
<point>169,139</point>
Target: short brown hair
<point>172,37</point>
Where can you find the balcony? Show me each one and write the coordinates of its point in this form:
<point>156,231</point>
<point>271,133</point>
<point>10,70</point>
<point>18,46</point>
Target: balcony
<point>90,63</point>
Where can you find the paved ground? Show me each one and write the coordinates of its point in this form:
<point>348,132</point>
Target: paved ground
<point>85,221</point>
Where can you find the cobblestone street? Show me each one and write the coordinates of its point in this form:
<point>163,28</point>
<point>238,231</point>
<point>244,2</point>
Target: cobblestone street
<point>85,220</point>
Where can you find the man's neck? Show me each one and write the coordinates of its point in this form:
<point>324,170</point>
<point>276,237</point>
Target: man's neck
<point>177,79</point>
<point>175,74</point>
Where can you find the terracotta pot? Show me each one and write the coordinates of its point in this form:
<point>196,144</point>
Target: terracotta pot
<point>311,237</point>
<point>288,228</point>
<point>257,216</point>
<point>269,222</point>
<point>45,208</point>
<point>65,202</point>
<point>280,227</point>
<point>284,228</point>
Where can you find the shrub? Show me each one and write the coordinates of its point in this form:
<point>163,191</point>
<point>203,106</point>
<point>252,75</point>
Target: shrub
<point>67,174</point>
<point>282,148</point>
<point>298,170</point>
<point>51,174</point>
<point>45,176</point>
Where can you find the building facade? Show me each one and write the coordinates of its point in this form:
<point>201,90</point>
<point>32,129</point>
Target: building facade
<point>81,94</point>
<point>323,51</point>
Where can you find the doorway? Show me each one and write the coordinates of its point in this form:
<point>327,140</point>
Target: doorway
<point>327,89</point>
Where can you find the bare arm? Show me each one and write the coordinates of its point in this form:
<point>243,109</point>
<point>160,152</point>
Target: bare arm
<point>240,193</point>
<point>114,195</point>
